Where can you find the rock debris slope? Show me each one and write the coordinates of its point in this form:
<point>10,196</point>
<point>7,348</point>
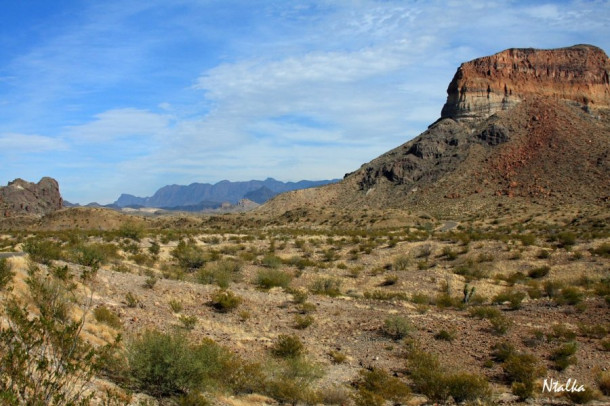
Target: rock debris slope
<point>523,126</point>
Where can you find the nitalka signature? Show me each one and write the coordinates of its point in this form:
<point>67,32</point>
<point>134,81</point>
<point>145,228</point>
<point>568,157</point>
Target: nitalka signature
<point>552,385</point>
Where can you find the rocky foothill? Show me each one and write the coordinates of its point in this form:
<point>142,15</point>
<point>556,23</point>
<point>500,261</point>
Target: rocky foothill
<point>20,197</point>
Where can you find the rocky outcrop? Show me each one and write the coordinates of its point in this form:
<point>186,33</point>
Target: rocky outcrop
<point>481,87</point>
<point>20,197</point>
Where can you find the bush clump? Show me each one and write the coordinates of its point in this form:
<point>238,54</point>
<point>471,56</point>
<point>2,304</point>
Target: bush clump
<point>6,273</point>
<point>287,346</point>
<point>271,278</point>
<point>376,386</point>
<point>326,286</point>
<point>432,380</point>
<point>189,255</point>
<point>397,327</point>
<point>225,301</point>
<point>108,317</point>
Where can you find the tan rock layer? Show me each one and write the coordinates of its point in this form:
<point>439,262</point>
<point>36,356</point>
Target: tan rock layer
<point>485,85</point>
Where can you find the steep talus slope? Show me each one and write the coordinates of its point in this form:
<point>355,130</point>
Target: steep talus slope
<point>20,197</point>
<point>520,127</point>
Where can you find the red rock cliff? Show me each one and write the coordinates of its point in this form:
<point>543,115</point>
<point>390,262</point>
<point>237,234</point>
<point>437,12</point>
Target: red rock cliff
<point>485,85</point>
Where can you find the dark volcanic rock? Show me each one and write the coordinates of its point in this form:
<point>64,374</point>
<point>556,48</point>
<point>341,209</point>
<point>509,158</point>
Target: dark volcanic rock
<point>20,197</point>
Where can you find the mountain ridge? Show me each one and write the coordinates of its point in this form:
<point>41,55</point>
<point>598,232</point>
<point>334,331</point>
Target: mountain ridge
<point>223,191</point>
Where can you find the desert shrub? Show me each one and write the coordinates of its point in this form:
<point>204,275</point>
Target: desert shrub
<point>432,380</point>
<point>563,356</point>
<point>389,280</point>
<point>552,288</point>
<point>586,396</point>
<point>287,346</point>
<point>271,261</point>
<point>603,382</point>
<point>484,312</point>
<point>337,357</point>
<point>270,278</point>
<point>503,351</point>
<point>222,273</point>
<point>592,330</point>
<point>512,296</point>
<point>376,386</point>
<point>61,272</point>
<point>299,296</point>
<point>543,254</point>
<point>175,305</point>
<point>164,364</point>
<point>302,322</point>
<point>289,380</point>
<point>107,316</point>
<point>150,281</point>
<point>326,286</point>
<point>132,300</point>
<point>154,248</point>
<point>6,273</point>
<point>41,357</point>
<point>421,298</point>
<point>566,239</point>
<point>449,254</point>
<point>225,301</point>
<point>445,335</point>
<point>569,295</point>
<point>189,255</point>
<point>396,327</point>
<point>385,295</point>
<point>131,230</point>
<point>526,239</point>
<point>188,322</point>
<point>94,254</point>
<point>603,250</point>
<point>401,263</point>
<point>42,251</point>
<point>470,272</point>
<point>522,370</point>
<point>500,324</point>
<point>605,344</point>
<point>539,272</point>
<point>561,332</point>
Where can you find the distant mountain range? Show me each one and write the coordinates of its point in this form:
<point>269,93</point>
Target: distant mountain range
<point>209,195</point>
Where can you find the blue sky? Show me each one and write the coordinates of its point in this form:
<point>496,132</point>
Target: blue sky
<point>128,96</point>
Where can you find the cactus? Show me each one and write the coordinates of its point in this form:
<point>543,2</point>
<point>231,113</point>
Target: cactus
<point>468,293</point>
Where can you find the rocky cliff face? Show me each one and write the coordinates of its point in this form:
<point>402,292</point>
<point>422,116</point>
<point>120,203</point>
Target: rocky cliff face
<point>20,197</point>
<point>481,87</point>
<point>523,126</point>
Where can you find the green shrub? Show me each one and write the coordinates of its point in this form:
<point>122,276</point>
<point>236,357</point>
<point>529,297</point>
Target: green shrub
<point>563,356</point>
<point>270,278</point>
<point>132,300</point>
<point>603,250</point>
<point>500,324</point>
<point>445,335</point>
<point>302,322</point>
<point>502,351</point>
<point>384,295</point>
<point>389,280</point>
<point>569,295</point>
<point>287,346</point>
<point>539,272</point>
<point>6,273</point>
<point>432,380</point>
<point>586,396</point>
<point>396,327</point>
<point>326,286</point>
<point>189,255</point>
<point>603,382</point>
<point>376,386</point>
<point>188,322</point>
<point>566,239</point>
<point>522,370</point>
<point>225,301</point>
<point>175,305</point>
<point>271,261</point>
<point>165,364</point>
<point>484,312</point>
<point>42,251</point>
<point>222,273</point>
<point>512,296</point>
<point>108,317</point>
<point>401,263</point>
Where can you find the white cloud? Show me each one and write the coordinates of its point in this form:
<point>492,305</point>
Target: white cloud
<point>14,143</point>
<point>120,124</point>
